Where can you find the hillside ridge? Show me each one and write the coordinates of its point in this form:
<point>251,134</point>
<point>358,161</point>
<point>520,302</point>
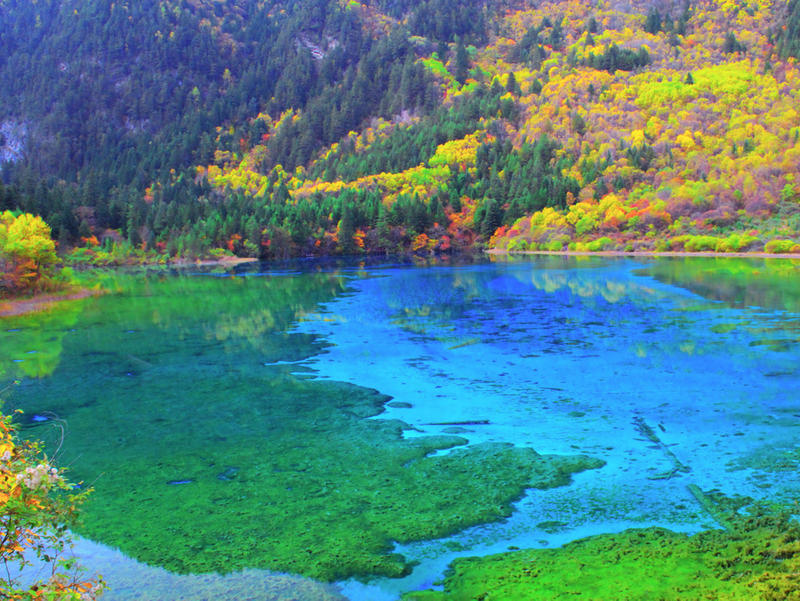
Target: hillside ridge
<point>271,129</point>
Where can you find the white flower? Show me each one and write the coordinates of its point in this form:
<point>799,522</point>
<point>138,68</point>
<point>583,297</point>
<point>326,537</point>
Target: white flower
<point>41,476</point>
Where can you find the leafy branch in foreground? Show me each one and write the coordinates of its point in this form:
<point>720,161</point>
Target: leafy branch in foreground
<point>37,506</point>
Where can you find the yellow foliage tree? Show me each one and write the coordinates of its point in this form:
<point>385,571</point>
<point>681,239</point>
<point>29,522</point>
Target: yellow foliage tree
<point>27,252</point>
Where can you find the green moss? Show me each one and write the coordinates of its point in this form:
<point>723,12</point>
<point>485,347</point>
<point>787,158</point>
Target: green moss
<point>758,560</point>
<point>290,477</point>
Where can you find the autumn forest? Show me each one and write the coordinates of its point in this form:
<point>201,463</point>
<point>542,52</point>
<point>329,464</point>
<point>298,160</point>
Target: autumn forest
<point>267,332</point>
<point>157,130</point>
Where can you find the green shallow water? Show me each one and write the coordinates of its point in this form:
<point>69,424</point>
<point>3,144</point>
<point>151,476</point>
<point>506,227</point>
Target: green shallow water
<point>757,560</point>
<point>242,426</point>
<point>208,454</point>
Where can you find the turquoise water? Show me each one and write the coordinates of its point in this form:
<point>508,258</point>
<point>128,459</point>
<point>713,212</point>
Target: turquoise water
<point>242,424</point>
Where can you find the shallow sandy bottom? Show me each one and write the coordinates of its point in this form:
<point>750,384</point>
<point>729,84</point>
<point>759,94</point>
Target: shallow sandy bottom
<point>41,302</point>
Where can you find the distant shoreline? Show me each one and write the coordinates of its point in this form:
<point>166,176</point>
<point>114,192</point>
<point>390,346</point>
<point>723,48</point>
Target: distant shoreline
<point>207,262</point>
<point>42,302</point>
<point>14,307</point>
<point>648,253</point>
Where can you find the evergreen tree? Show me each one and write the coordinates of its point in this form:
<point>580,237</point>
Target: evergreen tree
<point>653,23</point>
<point>512,86</point>
<point>462,62</point>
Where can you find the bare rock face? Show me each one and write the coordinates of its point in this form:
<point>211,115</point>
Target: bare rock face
<point>12,140</point>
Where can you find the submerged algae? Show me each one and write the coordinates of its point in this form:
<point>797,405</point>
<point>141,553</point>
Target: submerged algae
<point>769,458</point>
<point>208,453</point>
<point>318,490</point>
<point>759,559</point>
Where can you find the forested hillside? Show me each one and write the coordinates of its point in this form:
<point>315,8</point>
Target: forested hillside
<point>273,129</point>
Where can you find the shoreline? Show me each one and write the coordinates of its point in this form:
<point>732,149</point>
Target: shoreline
<point>179,262</point>
<point>224,261</point>
<point>42,302</point>
<point>647,253</point>
<point>15,307</point>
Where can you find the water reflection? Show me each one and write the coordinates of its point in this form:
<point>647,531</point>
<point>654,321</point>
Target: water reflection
<point>210,450</point>
<point>208,413</point>
<point>30,345</point>
<point>768,290</point>
<point>772,284</point>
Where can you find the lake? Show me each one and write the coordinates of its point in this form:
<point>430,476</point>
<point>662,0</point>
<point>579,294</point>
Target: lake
<point>324,430</point>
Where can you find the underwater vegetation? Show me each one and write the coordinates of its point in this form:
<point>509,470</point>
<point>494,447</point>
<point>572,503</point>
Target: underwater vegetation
<point>235,426</point>
<point>293,478</point>
<point>208,453</point>
<point>757,559</point>
<point>770,458</point>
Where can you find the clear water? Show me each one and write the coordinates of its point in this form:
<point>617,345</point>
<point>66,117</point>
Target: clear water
<point>194,402</point>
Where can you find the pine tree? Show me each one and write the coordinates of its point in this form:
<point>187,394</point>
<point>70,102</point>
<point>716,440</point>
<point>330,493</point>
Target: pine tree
<point>511,85</point>
<point>462,62</point>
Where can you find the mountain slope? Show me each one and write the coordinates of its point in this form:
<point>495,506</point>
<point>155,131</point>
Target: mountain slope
<point>320,127</point>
